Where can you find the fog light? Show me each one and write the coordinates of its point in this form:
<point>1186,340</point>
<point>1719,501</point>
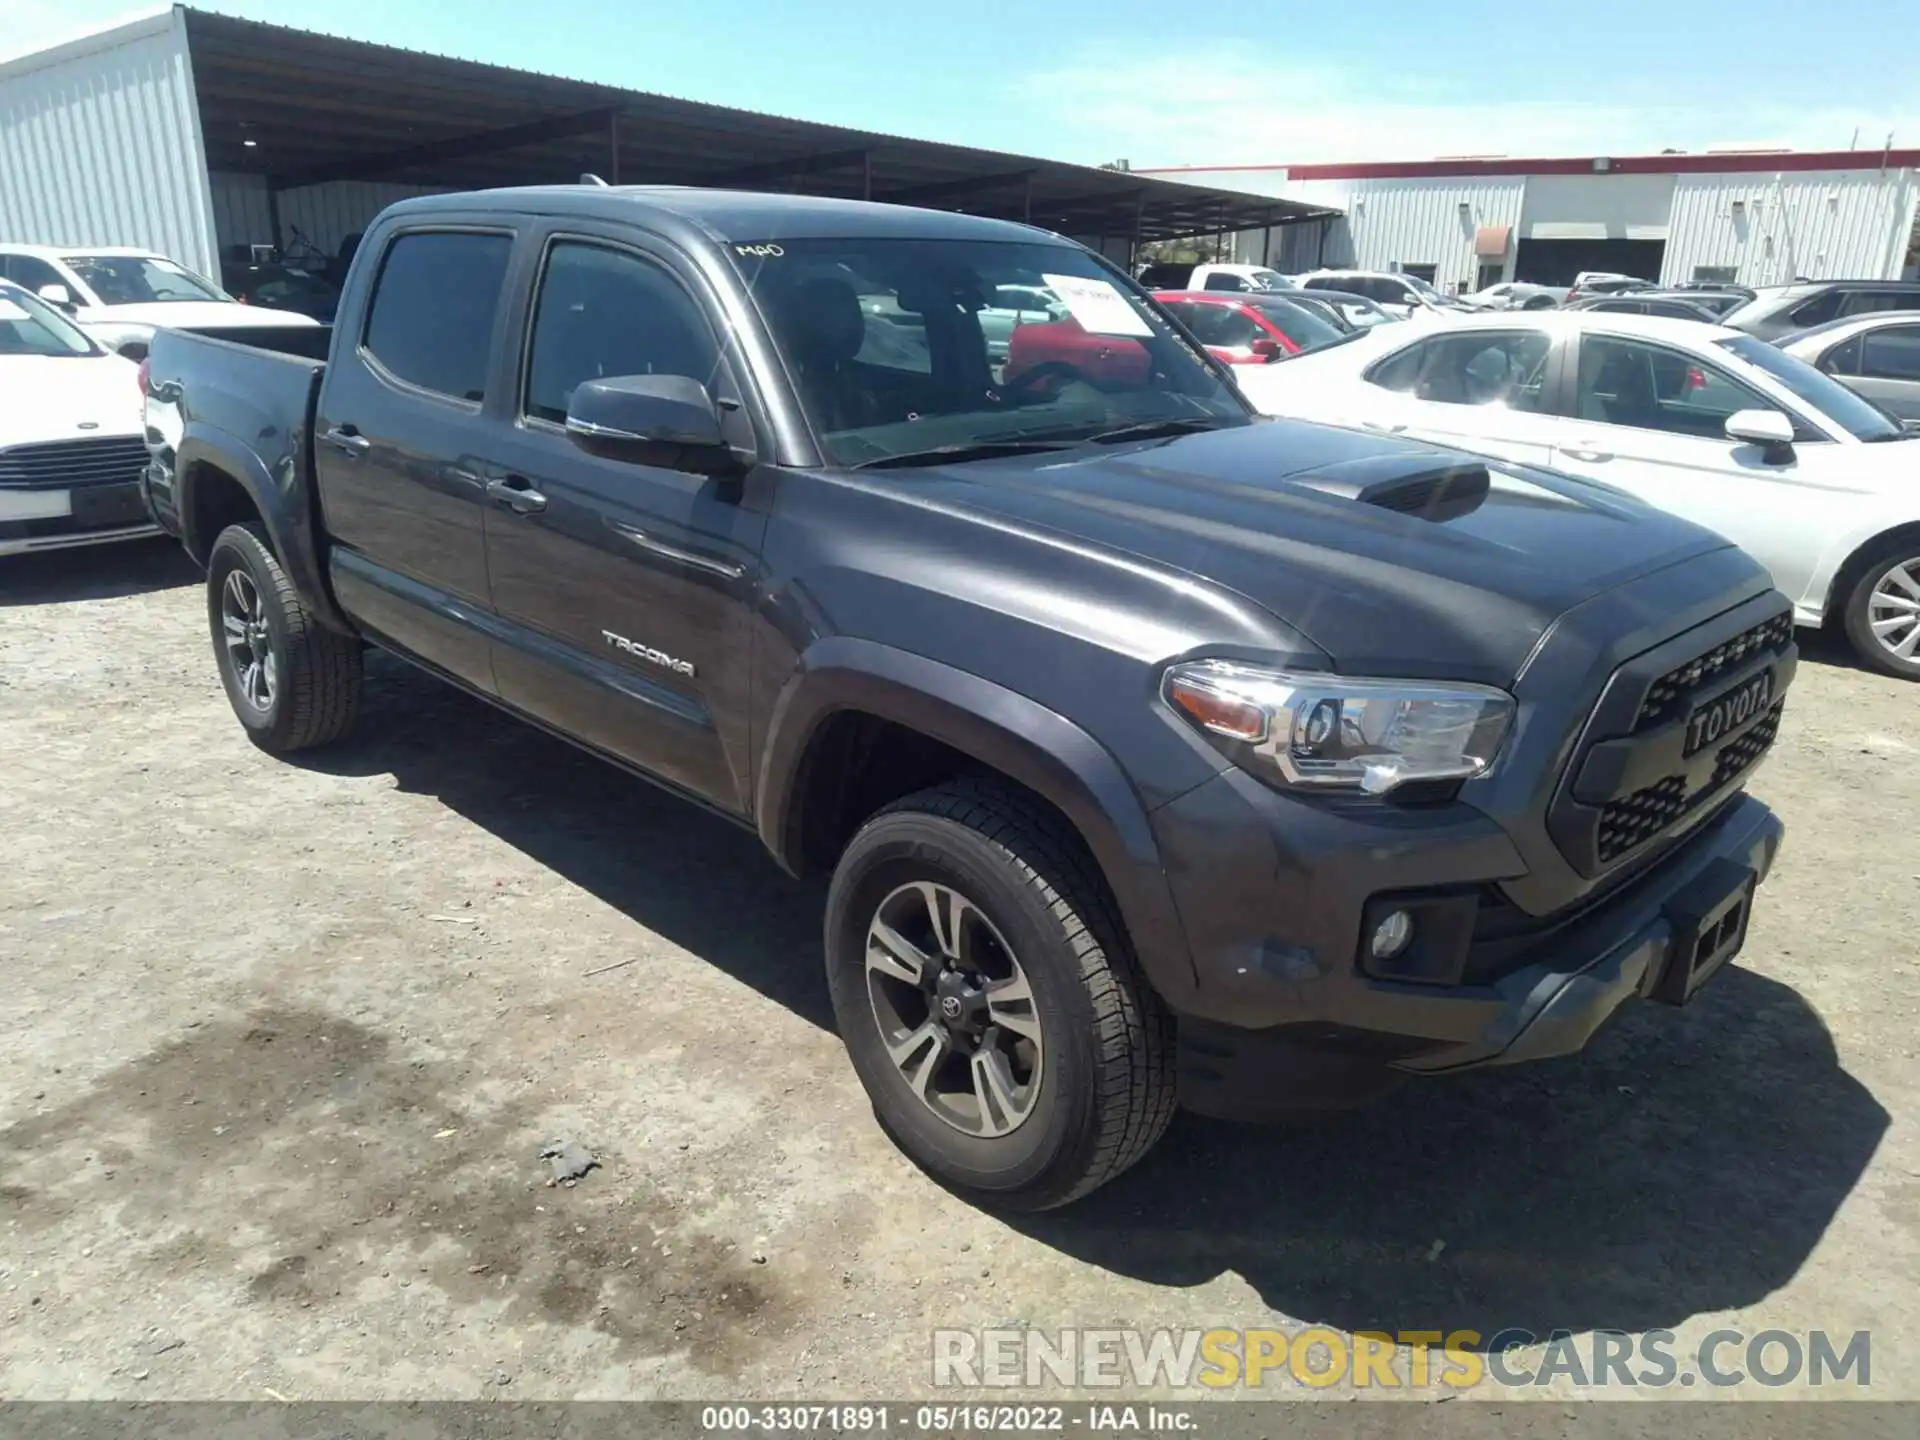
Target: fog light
<point>1392,935</point>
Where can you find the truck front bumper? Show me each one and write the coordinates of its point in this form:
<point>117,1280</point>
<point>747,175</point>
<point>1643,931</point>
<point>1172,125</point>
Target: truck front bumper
<point>1295,1021</point>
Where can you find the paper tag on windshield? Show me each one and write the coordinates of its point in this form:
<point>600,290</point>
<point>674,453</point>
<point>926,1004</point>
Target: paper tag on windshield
<point>11,311</point>
<point>1100,309</point>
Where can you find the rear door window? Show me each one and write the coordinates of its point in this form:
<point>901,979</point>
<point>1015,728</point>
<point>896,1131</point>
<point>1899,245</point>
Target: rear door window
<point>1818,310</point>
<point>1225,326</point>
<point>1867,302</point>
<point>434,307</point>
<point>1891,354</point>
<point>1843,359</point>
<point>1480,367</point>
<point>31,273</point>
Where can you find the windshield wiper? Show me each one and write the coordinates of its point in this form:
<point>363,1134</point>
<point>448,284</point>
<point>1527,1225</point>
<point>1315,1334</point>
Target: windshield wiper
<point>1156,429</point>
<point>954,454</point>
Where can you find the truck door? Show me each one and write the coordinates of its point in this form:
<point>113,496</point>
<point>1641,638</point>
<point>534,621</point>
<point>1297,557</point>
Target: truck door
<point>399,414</point>
<point>623,590</point>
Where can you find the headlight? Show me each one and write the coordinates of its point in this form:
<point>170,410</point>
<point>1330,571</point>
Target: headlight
<point>1331,732</point>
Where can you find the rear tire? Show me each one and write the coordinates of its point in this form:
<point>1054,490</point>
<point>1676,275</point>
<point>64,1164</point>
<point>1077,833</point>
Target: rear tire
<point>293,683</point>
<point>1887,595</point>
<point>1084,1064</point>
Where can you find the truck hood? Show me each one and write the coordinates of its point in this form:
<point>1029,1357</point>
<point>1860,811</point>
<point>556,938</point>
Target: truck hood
<point>67,397</point>
<point>1379,591</point>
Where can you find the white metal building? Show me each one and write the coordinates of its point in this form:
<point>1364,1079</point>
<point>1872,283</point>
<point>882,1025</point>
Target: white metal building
<point>1755,218</point>
<point>191,133</point>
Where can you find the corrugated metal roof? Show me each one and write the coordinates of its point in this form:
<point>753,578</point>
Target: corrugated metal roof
<point>321,108</point>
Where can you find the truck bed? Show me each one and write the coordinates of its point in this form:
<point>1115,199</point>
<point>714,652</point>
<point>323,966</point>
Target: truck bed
<point>238,400</point>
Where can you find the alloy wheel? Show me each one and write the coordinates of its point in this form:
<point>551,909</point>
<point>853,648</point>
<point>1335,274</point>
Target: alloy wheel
<point>956,1011</point>
<point>1893,611</point>
<point>243,623</point>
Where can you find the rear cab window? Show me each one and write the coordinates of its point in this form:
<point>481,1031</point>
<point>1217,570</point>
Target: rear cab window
<point>435,304</point>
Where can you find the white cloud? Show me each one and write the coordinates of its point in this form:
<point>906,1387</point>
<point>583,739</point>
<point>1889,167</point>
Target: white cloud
<point>1239,106</point>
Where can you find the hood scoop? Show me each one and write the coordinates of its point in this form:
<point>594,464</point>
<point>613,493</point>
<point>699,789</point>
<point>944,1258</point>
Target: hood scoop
<point>1432,487</point>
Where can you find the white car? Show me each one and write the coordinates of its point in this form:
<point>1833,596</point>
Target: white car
<point>72,444</point>
<point>1516,295</point>
<point>120,295</point>
<point>1818,484</point>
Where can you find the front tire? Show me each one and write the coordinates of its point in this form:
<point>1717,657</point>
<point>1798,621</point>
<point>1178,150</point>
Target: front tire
<point>1882,615</point>
<point>989,1002</point>
<point>292,682</point>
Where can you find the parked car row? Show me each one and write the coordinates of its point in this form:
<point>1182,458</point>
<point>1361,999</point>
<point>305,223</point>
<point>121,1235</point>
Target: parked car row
<point>1814,480</point>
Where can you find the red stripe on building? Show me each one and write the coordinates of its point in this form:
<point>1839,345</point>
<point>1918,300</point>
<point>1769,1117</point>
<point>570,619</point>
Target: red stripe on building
<point>1694,164</point>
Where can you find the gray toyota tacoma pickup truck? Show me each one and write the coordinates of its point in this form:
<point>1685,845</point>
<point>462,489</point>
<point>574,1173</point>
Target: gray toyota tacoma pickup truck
<point>1157,753</point>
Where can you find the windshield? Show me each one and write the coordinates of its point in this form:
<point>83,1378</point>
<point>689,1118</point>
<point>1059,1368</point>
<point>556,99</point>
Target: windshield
<point>1424,287</point>
<point>139,279</point>
<point>1300,324</point>
<point>901,347</point>
<point>30,326</point>
<point>1270,280</point>
<point>1859,417</point>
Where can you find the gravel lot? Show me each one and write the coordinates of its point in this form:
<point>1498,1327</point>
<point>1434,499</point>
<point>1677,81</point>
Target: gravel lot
<point>284,1042</point>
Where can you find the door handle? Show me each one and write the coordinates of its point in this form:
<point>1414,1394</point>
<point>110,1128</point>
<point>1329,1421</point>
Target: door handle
<point>517,493</point>
<point>1384,427</point>
<point>347,440</point>
<point>1582,452</point>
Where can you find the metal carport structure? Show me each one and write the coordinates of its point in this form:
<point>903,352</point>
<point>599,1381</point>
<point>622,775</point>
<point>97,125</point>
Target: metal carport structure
<point>193,132</point>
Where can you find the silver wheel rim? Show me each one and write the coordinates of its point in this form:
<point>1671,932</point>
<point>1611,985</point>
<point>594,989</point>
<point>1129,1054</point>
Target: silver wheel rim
<point>955,1010</point>
<point>1893,611</point>
<point>243,626</point>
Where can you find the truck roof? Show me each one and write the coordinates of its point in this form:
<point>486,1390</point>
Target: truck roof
<point>735,215</point>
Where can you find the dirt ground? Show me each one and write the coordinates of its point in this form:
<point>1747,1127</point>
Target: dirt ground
<point>283,1042</point>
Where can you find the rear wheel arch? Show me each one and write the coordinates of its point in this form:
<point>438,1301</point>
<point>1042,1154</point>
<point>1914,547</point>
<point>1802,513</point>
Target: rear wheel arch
<point>930,722</point>
<point>212,498</point>
<point>222,484</point>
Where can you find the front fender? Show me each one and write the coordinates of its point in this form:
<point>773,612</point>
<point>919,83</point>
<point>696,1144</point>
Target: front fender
<point>279,501</point>
<point>1004,731</point>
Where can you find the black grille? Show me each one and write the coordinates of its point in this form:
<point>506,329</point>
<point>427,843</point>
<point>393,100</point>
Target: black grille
<point>69,464</point>
<point>1628,823</point>
<point>1664,696</point>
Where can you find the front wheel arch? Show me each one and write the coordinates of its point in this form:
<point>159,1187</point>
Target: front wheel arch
<point>998,731</point>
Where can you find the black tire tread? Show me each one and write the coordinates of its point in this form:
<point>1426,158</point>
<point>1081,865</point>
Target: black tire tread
<point>1136,1090</point>
<point>323,666</point>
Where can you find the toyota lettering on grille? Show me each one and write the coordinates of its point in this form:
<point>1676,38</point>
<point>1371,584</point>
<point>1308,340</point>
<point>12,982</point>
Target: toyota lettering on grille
<point>1721,716</point>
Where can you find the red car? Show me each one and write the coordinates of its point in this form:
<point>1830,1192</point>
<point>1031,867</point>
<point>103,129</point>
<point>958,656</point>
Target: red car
<point>1248,329</point>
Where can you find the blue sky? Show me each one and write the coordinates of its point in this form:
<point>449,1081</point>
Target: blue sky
<point>1161,84</point>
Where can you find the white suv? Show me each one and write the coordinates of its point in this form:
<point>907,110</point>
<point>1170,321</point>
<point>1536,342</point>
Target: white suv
<point>1405,294</point>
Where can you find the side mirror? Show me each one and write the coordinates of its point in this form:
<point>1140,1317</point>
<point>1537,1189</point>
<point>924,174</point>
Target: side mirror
<point>666,420</point>
<point>1767,428</point>
<point>56,295</point>
<point>1267,348</point>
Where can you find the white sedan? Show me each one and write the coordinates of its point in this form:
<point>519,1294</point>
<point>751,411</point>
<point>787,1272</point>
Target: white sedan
<point>1817,483</point>
<point>72,442</point>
